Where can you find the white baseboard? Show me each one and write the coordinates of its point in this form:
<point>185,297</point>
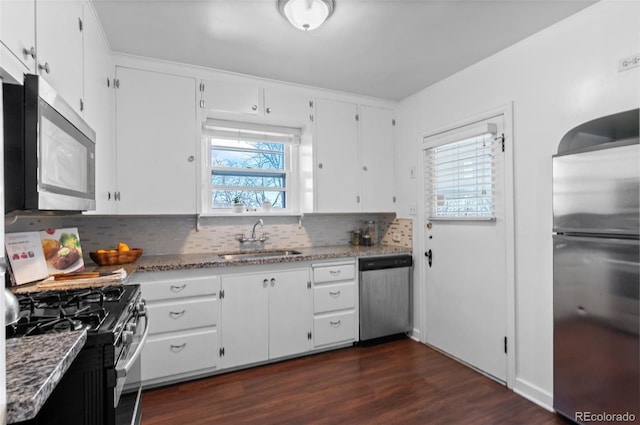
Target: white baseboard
<point>534,394</point>
<point>415,335</point>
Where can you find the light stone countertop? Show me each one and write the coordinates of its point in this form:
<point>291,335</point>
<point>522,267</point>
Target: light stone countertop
<point>211,260</point>
<point>35,365</point>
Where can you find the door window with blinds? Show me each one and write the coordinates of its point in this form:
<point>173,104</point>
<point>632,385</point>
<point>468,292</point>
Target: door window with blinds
<point>460,173</point>
<point>249,163</point>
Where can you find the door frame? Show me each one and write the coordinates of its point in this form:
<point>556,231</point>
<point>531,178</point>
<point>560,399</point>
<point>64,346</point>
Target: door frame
<point>506,110</point>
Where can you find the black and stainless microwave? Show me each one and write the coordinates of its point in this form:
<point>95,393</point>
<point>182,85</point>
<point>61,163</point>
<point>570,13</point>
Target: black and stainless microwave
<point>49,152</point>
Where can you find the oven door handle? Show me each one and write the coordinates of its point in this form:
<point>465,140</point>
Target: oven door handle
<point>121,373</point>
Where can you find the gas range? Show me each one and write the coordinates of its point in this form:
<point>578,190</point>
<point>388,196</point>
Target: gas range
<point>106,373</point>
<point>94,309</point>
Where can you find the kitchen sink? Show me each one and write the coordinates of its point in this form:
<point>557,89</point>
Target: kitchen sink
<point>258,254</point>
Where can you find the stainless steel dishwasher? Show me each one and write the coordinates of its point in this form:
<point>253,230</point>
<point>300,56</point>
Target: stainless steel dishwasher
<point>385,296</point>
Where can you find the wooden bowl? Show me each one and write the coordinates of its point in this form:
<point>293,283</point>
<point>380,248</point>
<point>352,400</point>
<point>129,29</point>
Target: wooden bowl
<point>115,258</point>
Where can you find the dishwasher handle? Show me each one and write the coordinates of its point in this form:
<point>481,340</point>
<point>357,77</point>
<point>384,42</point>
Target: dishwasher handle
<point>386,262</point>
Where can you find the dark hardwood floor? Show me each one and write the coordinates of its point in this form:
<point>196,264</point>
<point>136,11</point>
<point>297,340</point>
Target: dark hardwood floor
<point>398,382</point>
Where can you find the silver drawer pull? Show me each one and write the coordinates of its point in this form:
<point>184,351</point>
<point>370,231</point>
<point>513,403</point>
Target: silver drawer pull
<point>334,272</point>
<point>336,324</point>
<point>177,314</point>
<point>335,294</point>
<point>178,288</point>
<point>177,348</point>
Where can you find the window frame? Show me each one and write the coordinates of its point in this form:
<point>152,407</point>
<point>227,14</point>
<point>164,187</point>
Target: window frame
<point>449,138</point>
<point>290,172</point>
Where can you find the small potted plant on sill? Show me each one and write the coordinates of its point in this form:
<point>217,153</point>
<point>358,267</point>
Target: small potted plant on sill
<point>238,206</point>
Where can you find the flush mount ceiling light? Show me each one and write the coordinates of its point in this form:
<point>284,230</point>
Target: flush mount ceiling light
<point>306,14</point>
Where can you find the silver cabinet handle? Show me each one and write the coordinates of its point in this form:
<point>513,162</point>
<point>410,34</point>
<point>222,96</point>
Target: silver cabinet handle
<point>177,348</point>
<point>177,314</point>
<point>336,324</point>
<point>46,68</point>
<point>265,283</point>
<point>334,272</point>
<point>273,282</point>
<point>177,288</point>
<point>29,52</point>
<point>254,107</point>
<point>268,110</point>
<point>335,294</point>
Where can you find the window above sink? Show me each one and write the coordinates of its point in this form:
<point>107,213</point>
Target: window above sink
<point>251,164</point>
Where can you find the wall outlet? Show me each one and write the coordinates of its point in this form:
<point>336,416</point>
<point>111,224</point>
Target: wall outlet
<point>632,61</point>
<point>413,209</point>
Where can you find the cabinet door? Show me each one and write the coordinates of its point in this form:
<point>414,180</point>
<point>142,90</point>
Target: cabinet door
<point>156,143</point>
<point>99,112</point>
<point>59,48</point>
<point>376,159</point>
<point>231,97</point>
<point>287,106</point>
<point>336,146</point>
<point>18,34</point>
<point>244,320</point>
<point>290,313</point>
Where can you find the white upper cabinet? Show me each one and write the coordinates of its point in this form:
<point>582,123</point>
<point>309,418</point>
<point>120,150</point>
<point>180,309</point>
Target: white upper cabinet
<point>287,106</point>
<point>60,49</point>
<point>18,35</point>
<point>218,96</point>
<point>353,157</point>
<point>282,106</point>
<point>156,143</point>
<point>377,135</point>
<point>99,111</point>
<point>336,156</point>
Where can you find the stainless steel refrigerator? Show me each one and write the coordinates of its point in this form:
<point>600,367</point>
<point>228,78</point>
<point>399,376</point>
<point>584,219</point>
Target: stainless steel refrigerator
<point>596,350</point>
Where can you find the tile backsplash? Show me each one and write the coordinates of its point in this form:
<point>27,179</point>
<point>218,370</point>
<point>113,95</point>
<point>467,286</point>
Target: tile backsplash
<point>186,235</point>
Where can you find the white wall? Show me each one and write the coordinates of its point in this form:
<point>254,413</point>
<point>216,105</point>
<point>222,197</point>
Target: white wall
<point>559,78</point>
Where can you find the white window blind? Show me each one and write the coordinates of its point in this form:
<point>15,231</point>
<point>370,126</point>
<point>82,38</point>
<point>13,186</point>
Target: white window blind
<point>460,178</point>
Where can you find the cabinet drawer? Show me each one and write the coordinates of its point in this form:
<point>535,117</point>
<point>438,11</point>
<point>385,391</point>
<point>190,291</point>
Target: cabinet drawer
<point>180,288</point>
<point>175,316</point>
<point>334,297</point>
<point>334,328</point>
<point>164,356</point>
<point>334,273</point>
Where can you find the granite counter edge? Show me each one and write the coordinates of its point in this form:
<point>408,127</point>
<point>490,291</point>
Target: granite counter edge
<point>24,401</point>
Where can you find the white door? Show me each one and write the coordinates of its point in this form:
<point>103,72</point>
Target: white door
<point>336,151</point>
<point>290,313</point>
<point>244,320</point>
<point>60,47</point>
<point>156,142</point>
<point>377,131</point>
<point>465,258</point>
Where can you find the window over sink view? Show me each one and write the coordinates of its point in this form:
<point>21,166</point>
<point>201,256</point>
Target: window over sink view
<point>250,166</point>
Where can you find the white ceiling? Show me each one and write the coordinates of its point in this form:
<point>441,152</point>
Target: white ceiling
<point>383,48</point>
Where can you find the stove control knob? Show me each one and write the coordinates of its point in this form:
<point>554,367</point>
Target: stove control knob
<point>141,307</point>
<point>127,337</point>
<point>131,327</point>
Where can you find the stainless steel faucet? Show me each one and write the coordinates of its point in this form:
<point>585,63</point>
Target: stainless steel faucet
<point>242,238</point>
<point>253,231</point>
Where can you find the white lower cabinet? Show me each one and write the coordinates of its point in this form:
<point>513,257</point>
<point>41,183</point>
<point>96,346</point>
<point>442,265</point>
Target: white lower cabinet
<point>265,316</point>
<point>184,313</point>
<point>170,355</point>
<point>201,323</point>
<point>334,328</point>
<point>334,303</point>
